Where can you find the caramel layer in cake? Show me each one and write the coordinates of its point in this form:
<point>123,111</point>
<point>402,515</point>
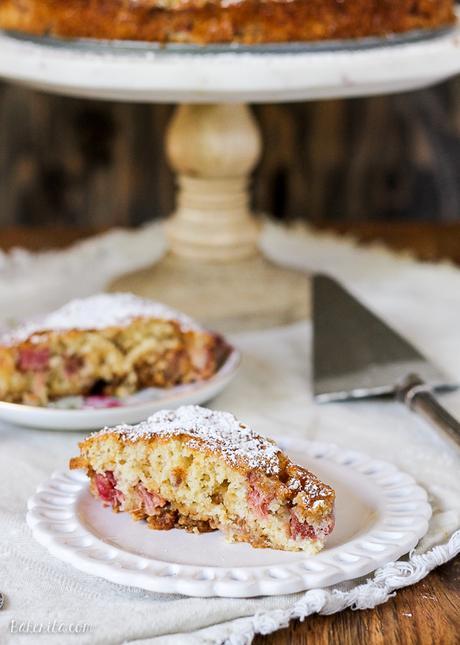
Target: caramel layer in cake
<point>203,470</point>
<point>213,21</point>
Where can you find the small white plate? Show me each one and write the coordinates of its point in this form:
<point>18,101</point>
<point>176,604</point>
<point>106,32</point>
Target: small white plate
<point>131,410</point>
<point>380,515</point>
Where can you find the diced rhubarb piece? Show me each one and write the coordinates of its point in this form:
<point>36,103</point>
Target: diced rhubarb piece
<point>258,500</point>
<point>300,529</point>
<point>102,402</point>
<point>73,364</point>
<point>151,501</point>
<point>33,360</point>
<point>106,488</point>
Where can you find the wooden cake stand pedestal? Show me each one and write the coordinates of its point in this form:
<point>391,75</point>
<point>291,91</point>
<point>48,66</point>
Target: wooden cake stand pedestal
<point>213,269</point>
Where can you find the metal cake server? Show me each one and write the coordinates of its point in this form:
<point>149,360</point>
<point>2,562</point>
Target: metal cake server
<point>356,355</point>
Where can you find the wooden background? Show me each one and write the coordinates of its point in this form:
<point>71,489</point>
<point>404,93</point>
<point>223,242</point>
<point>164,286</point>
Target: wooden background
<point>69,162</point>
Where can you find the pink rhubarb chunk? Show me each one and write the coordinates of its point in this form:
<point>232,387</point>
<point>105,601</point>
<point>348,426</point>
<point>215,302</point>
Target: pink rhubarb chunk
<point>152,501</point>
<point>33,360</point>
<point>299,529</point>
<point>101,402</point>
<point>106,488</point>
<point>258,501</point>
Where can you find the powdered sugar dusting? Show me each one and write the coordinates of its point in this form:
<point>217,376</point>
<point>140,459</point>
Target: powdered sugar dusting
<point>221,432</point>
<point>97,312</point>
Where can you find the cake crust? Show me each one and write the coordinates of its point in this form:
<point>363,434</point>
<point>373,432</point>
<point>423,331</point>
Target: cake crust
<point>214,21</point>
<point>203,470</point>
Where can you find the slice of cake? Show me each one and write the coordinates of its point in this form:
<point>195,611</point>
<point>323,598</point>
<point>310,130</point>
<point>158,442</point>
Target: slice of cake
<point>109,344</point>
<point>202,470</point>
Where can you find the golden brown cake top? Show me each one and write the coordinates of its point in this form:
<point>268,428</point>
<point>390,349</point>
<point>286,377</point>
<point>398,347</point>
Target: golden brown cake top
<point>217,431</point>
<point>96,312</point>
<point>222,433</point>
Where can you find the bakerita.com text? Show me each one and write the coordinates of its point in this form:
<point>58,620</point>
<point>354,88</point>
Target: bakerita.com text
<point>50,627</point>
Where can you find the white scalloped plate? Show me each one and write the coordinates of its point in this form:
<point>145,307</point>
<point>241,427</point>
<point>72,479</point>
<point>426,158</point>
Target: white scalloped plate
<point>137,408</point>
<point>381,514</point>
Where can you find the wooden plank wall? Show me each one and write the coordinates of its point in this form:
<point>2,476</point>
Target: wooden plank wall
<point>84,163</point>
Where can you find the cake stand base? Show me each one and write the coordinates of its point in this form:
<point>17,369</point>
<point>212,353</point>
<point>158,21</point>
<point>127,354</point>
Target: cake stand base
<point>214,270</point>
<point>250,293</point>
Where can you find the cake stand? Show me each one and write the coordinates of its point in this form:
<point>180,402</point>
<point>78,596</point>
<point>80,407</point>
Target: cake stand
<point>213,269</point>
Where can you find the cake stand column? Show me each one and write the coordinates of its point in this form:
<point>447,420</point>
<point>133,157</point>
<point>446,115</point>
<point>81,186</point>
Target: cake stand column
<point>213,149</point>
<point>214,270</point>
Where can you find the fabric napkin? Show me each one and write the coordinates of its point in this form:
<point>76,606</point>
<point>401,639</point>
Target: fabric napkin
<point>273,393</point>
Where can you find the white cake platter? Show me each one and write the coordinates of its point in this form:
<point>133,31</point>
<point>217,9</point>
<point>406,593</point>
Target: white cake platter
<point>380,515</point>
<point>134,72</point>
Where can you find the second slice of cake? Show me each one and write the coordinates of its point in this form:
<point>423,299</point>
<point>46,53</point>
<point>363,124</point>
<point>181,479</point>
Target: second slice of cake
<point>203,470</point>
<point>108,344</point>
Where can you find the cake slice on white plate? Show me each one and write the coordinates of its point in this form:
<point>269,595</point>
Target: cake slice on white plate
<point>202,470</point>
<point>108,344</point>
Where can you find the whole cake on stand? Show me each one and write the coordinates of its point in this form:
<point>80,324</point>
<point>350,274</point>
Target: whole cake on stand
<point>223,21</point>
<point>214,269</point>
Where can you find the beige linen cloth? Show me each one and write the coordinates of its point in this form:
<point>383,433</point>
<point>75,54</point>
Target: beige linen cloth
<point>272,392</point>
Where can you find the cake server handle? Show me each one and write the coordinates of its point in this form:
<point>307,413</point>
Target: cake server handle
<point>419,397</point>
